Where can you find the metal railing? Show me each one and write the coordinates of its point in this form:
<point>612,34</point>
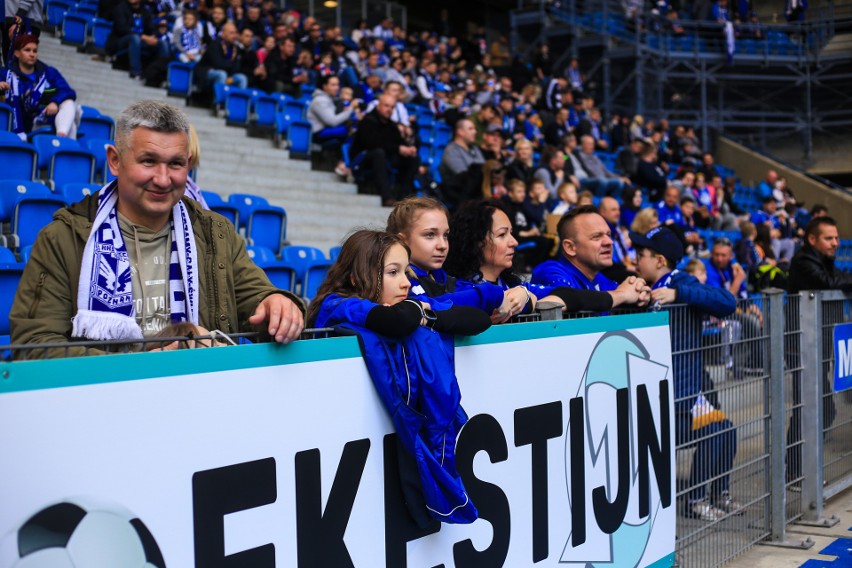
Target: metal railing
<point>781,441</point>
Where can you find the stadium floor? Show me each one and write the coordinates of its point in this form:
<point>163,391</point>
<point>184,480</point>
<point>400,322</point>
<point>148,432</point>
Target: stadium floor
<point>832,548</point>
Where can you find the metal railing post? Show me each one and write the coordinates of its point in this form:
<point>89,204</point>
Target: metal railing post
<point>773,300</point>
<point>812,411</point>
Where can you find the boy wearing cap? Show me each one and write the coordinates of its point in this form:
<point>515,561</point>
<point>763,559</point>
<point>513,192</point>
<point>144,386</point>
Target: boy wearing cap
<point>697,421</point>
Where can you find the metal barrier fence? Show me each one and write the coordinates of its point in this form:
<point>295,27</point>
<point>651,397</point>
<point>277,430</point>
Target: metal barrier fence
<point>769,441</point>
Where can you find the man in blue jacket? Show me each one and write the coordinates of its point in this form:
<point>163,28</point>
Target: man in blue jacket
<point>698,421</point>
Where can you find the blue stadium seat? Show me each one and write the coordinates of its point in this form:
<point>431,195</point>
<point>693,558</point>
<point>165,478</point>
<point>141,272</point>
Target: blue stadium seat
<point>25,254</point>
<point>89,111</point>
<point>334,252</point>
<point>315,273</point>
<point>246,204</point>
<point>12,190</point>
<point>64,160</point>
<point>74,192</point>
<point>267,227</point>
<point>56,10</point>
<point>5,117</point>
<point>299,135</point>
<point>441,134</point>
<point>49,144</point>
<point>260,255</point>
<point>7,256</point>
<point>180,79</point>
<point>299,257</point>
<point>297,109</point>
<point>102,127</point>
<point>425,119</point>
<point>220,92</point>
<point>281,274</point>
<point>7,137</point>
<point>222,207</point>
<point>238,106</point>
<point>19,160</point>
<point>265,108</point>
<point>75,29</point>
<point>98,147</point>
<point>89,10</point>
<point>100,31</point>
<point>10,276</point>
<point>29,205</point>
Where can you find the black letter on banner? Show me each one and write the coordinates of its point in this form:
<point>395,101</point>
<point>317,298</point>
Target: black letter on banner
<point>319,534</point>
<point>661,454</point>
<point>483,432</point>
<point>534,426</point>
<point>218,492</point>
<point>400,525</point>
<point>610,515</point>
<point>576,425</point>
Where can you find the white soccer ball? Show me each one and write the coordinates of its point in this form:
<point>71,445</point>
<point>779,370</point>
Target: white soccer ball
<point>73,535</point>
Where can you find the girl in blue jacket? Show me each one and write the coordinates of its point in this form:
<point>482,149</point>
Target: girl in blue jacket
<point>408,349</point>
<point>37,93</point>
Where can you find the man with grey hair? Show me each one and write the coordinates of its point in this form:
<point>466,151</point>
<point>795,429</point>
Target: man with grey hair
<point>138,256</point>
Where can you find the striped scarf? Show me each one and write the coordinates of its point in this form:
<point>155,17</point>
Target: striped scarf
<point>104,294</point>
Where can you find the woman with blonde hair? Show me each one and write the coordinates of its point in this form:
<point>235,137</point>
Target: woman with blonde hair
<point>192,189</point>
<point>645,220</point>
<point>522,166</point>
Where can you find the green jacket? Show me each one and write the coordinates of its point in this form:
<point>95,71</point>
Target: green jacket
<point>230,284</point>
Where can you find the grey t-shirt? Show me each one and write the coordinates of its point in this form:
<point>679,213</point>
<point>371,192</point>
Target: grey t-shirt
<point>148,252</point>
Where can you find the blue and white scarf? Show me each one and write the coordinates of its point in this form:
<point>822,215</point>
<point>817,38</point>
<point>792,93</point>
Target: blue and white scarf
<point>29,100</point>
<point>105,294</point>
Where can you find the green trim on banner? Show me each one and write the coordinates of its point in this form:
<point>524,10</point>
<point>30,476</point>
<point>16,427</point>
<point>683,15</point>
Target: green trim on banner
<point>78,371</point>
<point>664,562</point>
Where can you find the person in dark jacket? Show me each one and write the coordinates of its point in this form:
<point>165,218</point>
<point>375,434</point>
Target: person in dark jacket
<point>223,60</point>
<point>697,421</point>
<point>379,145</point>
<point>37,93</point>
<point>813,268</point>
<point>133,30</point>
<point>649,175</point>
<point>282,75</point>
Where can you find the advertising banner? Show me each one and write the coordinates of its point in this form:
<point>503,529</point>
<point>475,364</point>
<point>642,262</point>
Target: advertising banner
<point>270,455</point>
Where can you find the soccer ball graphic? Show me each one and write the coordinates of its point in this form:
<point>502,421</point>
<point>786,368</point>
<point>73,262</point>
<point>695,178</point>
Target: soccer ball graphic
<point>72,535</point>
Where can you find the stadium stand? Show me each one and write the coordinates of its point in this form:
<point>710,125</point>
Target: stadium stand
<point>250,165</point>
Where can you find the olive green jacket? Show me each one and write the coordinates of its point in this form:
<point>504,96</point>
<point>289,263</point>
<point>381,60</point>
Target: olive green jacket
<point>230,285</point>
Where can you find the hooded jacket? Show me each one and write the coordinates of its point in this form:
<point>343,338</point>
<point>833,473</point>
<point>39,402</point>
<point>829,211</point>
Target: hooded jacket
<point>322,113</point>
<point>414,375</point>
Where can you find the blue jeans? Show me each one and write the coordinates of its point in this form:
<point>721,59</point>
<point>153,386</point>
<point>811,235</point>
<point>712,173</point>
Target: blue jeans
<point>214,76</point>
<point>135,50</point>
<point>715,448</point>
<point>603,187</point>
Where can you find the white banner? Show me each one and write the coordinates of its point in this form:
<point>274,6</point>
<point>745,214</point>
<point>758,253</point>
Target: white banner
<point>268,455</point>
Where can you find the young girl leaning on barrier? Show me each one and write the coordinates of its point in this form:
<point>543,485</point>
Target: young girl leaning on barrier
<point>407,346</point>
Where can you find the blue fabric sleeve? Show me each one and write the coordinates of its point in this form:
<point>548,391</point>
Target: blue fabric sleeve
<point>58,82</point>
<point>708,299</point>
